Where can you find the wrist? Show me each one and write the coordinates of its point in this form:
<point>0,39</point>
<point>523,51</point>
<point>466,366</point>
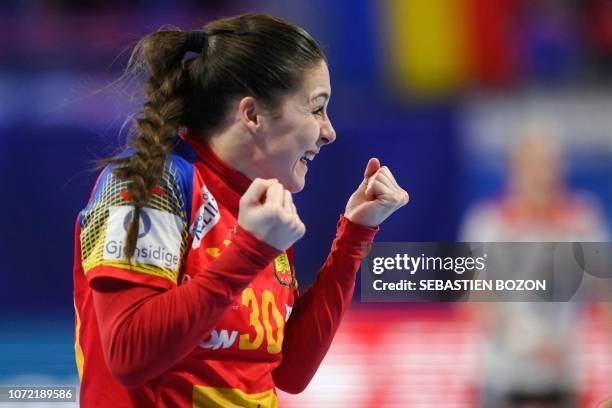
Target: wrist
<point>362,223</point>
<point>354,232</point>
<point>257,250</point>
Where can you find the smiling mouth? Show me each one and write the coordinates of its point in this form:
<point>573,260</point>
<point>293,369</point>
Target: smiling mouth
<point>308,157</point>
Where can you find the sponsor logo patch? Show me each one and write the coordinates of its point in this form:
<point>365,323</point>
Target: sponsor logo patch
<point>159,237</point>
<point>208,216</point>
<point>282,270</point>
<point>220,339</point>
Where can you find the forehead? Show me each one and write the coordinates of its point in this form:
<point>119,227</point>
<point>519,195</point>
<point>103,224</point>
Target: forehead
<point>316,84</point>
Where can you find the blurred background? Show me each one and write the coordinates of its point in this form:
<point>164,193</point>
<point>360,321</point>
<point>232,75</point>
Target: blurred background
<point>496,117</point>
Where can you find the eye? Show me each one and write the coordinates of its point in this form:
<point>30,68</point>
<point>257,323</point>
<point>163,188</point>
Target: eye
<point>318,112</point>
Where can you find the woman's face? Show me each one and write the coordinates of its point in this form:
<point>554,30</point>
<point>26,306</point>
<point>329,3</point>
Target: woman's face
<point>291,141</point>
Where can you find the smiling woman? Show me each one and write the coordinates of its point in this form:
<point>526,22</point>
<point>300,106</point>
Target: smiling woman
<point>279,144</point>
<point>185,291</point>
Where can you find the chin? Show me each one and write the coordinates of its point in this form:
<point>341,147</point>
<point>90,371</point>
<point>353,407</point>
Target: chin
<point>297,189</point>
<point>294,186</point>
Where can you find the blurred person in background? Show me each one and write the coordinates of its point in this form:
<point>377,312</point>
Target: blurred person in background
<point>537,204</point>
<point>185,288</point>
<point>529,351</point>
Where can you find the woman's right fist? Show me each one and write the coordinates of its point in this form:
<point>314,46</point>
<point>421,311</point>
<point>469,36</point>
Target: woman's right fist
<point>267,211</point>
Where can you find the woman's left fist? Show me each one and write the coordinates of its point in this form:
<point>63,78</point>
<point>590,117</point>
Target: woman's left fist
<point>377,197</point>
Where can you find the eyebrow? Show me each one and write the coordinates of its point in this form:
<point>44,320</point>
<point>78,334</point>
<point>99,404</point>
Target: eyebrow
<point>318,95</point>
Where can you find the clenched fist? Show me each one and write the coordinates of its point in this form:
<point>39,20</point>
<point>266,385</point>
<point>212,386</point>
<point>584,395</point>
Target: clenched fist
<point>377,197</point>
<point>267,211</point>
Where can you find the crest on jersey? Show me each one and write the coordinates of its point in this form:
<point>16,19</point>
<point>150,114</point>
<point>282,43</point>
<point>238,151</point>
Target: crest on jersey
<point>283,271</point>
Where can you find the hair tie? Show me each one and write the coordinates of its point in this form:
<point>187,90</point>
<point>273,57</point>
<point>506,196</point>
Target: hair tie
<point>195,41</point>
<point>244,27</point>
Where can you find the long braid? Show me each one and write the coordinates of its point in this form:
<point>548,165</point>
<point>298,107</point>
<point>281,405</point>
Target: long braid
<point>159,121</point>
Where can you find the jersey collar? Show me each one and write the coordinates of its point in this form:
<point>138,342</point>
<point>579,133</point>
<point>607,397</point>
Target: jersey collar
<point>232,177</point>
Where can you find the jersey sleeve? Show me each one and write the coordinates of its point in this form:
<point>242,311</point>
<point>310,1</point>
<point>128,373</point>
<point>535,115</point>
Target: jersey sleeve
<point>317,313</point>
<point>162,236</point>
<point>144,331</point>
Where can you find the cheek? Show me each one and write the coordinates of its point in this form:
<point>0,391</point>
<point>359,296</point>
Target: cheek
<point>290,140</point>
<point>300,139</point>
<point>309,134</point>
<point>286,152</point>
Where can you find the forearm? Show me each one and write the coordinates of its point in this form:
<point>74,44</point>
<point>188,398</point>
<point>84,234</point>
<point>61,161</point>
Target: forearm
<point>317,313</point>
<point>144,331</point>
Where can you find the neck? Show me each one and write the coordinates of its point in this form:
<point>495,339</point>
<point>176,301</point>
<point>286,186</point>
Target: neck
<point>536,202</point>
<point>235,149</point>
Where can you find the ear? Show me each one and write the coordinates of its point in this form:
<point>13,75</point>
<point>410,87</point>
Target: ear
<point>250,114</point>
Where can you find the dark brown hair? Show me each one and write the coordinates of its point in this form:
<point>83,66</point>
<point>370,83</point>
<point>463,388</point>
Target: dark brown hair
<point>250,55</point>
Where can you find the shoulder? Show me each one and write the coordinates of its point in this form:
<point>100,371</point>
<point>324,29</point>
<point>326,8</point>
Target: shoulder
<point>487,210</point>
<point>180,162</point>
<point>582,202</point>
<point>163,230</point>
<point>481,221</point>
<point>176,181</point>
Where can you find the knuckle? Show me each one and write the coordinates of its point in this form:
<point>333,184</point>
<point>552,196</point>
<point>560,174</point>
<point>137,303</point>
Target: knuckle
<point>284,217</point>
<point>296,224</point>
<point>268,213</point>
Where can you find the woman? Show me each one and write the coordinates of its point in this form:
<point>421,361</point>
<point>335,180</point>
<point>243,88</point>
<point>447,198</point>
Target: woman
<point>184,282</point>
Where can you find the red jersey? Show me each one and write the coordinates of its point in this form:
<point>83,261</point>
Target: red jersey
<point>205,314</point>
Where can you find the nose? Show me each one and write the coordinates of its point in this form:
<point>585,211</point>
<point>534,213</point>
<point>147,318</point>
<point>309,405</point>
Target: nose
<point>328,134</point>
